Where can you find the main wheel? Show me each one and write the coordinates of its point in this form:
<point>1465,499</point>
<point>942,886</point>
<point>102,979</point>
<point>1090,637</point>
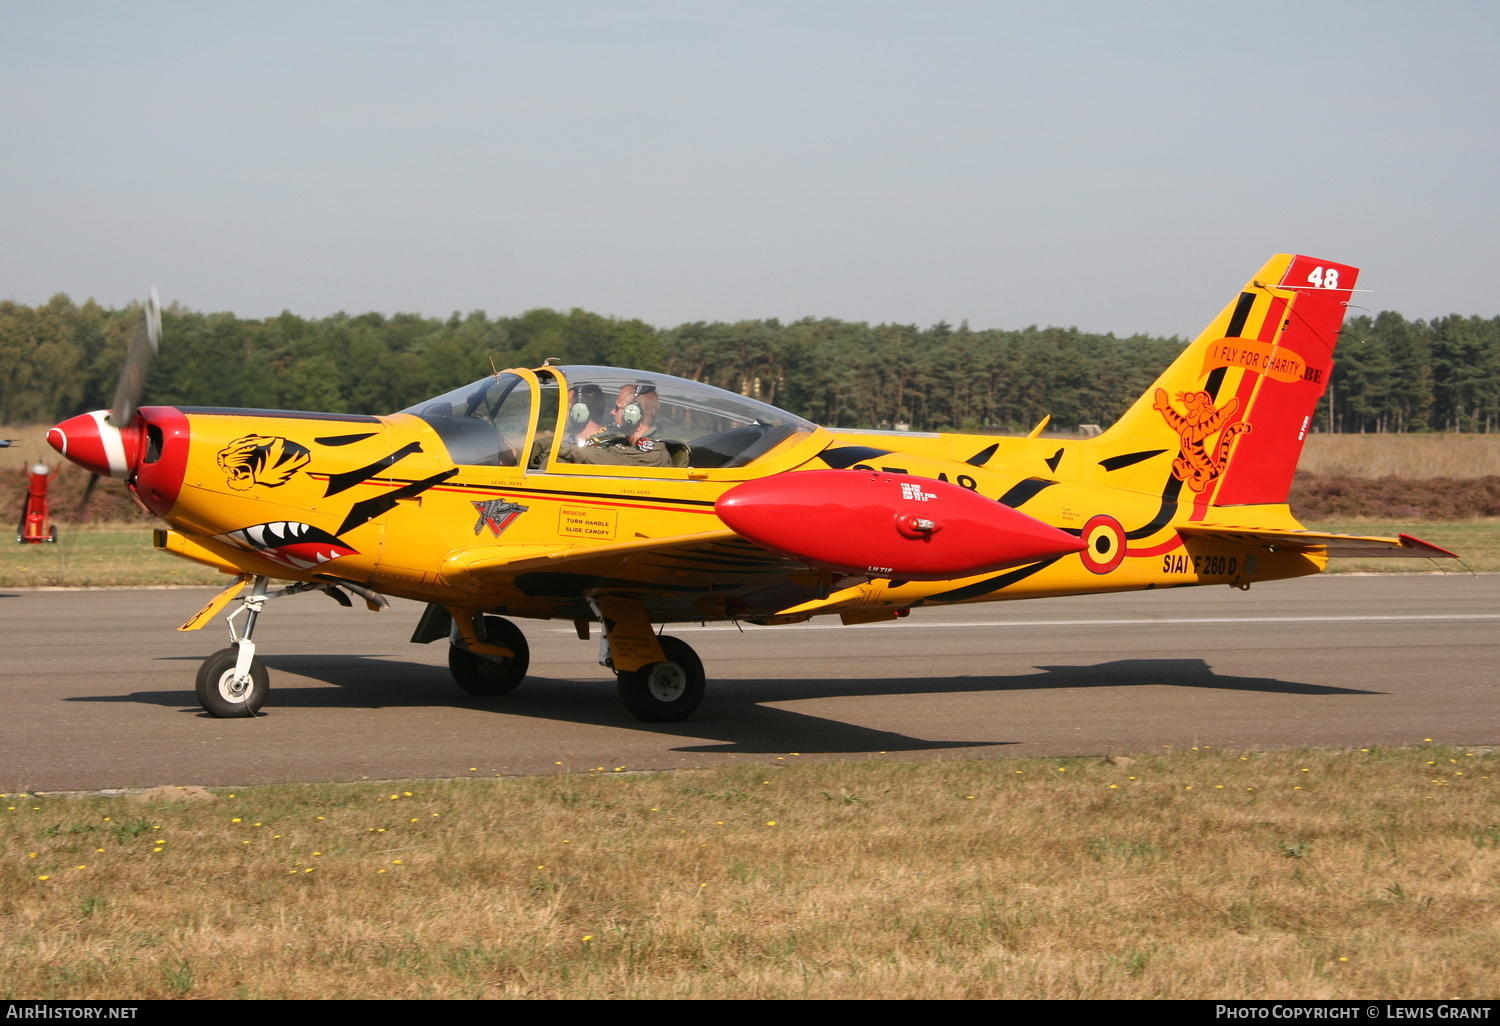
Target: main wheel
<point>492,675</point>
<point>221,695</point>
<point>665,692</point>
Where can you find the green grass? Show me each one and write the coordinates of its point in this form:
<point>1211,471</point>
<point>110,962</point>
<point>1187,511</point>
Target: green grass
<point>98,557</point>
<point>1477,542</point>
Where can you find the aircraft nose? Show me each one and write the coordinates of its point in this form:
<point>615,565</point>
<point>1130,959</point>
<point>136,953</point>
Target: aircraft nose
<point>96,445</point>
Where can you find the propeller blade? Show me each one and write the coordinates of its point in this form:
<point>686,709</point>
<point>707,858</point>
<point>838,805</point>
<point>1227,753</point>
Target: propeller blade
<point>88,491</point>
<point>137,365</point>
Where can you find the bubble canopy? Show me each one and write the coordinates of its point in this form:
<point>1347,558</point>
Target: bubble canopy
<point>486,422</point>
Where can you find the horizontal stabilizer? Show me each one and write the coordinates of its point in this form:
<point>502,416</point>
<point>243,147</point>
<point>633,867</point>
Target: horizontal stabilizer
<point>1327,544</point>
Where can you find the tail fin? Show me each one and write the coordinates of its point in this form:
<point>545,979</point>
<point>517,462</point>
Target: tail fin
<point>1236,406</point>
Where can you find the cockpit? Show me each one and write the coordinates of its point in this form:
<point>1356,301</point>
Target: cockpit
<point>555,418</point>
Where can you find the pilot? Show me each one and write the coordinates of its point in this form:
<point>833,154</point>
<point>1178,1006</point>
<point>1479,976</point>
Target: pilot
<point>629,443</point>
<point>586,414</point>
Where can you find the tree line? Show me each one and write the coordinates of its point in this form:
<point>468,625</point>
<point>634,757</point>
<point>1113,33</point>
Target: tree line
<point>61,358</point>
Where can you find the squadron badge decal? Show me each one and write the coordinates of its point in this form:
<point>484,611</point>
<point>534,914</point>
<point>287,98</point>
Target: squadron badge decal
<point>497,515</point>
<point>262,460</point>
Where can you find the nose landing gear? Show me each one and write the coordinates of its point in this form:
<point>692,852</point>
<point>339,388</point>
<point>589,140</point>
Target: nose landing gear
<point>225,690</point>
<point>233,681</point>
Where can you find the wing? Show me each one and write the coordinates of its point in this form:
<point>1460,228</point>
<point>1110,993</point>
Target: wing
<point>712,575</point>
<point>1325,544</point>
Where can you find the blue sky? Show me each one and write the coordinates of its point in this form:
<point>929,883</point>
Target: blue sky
<point>1119,167</point>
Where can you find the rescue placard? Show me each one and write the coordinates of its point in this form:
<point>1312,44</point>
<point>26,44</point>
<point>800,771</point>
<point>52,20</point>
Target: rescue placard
<point>583,522</point>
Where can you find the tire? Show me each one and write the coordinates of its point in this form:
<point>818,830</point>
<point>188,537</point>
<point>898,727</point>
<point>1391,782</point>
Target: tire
<point>217,692</point>
<point>666,692</point>
<point>488,675</point>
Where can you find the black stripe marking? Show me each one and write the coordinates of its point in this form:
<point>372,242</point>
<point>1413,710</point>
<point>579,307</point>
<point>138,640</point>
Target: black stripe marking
<point>844,456</point>
<point>982,457</point>
<point>1164,515</point>
<point>344,439</point>
<point>993,584</point>
<point>1241,315</point>
<point>1023,491</point>
<point>1215,379</point>
<point>349,478</point>
<point>369,509</point>
<point>1129,459</point>
<point>1053,460</point>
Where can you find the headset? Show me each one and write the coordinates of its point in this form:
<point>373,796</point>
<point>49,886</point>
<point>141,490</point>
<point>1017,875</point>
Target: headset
<point>588,404</point>
<point>631,414</point>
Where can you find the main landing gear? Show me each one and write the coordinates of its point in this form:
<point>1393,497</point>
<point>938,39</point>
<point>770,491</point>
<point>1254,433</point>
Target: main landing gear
<point>233,681</point>
<point>489,673</point>
<point>659,679</point>
<point>667,691</point>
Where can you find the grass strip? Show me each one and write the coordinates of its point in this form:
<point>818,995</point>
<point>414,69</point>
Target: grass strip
<point>1181,874</point>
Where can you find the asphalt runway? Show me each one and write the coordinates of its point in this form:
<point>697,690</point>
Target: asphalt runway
<point>98,686</point>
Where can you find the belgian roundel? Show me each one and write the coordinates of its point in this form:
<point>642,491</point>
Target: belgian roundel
<point>1104,544</point>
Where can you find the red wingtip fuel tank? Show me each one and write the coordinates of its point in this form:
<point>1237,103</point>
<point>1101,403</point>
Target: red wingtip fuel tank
<point>887,525</point>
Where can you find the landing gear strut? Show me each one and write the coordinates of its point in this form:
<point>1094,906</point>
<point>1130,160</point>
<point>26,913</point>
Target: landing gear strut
<point>660,679</point>
<point>485,674</point>
<point>233,681</point>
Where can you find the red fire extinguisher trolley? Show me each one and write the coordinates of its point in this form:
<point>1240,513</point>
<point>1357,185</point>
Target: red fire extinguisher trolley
<point>36,523</point>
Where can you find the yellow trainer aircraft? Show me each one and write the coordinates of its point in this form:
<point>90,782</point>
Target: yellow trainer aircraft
<point>630,499</point>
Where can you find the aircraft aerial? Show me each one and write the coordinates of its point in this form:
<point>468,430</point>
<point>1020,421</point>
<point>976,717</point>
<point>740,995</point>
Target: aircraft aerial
<point>628,500</point>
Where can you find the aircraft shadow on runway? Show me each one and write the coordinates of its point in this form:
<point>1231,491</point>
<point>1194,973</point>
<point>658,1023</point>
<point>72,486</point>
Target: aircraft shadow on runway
<point>736,711</point>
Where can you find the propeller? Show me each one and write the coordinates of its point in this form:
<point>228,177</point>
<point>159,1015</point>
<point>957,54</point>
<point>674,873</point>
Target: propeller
<point>88,493</point>
<point>97,443</point>
<point>137,365</point>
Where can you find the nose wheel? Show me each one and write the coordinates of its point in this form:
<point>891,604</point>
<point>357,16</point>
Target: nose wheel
<point>226,692</point>
<point>664,692</point>
<point>233,681</point>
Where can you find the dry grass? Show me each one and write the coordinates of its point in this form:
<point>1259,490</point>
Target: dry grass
<point>1411,456</point>
<point>1477,542</point>
<point>31,445</point>
<point>1189,875</point>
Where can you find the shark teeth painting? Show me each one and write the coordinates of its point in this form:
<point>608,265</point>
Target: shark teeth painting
<point>290,543</point>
